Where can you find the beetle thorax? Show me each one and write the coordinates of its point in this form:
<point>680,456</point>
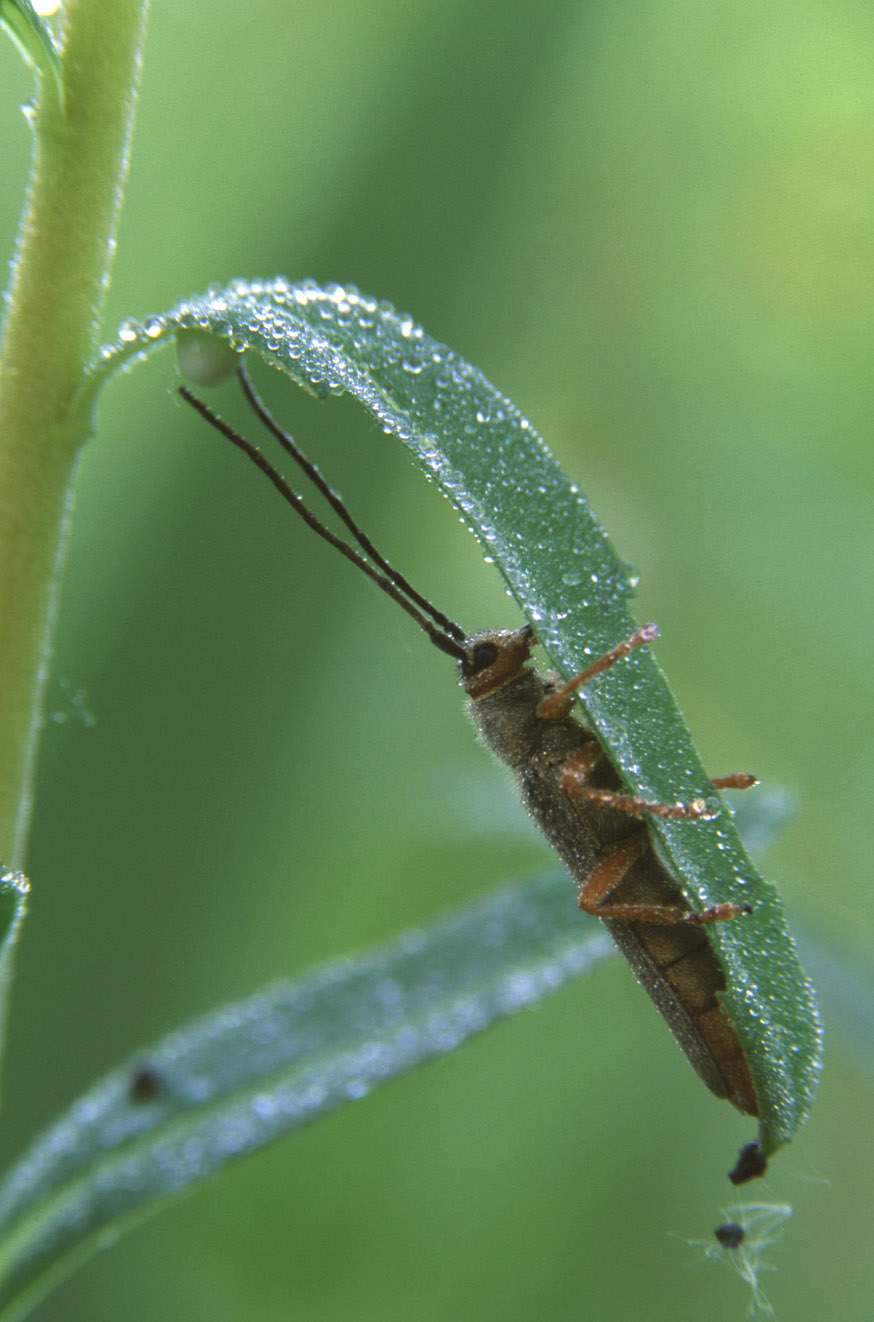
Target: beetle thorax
<point>495,657</point>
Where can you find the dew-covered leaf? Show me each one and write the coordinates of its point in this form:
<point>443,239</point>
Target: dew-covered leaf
<point>569,581</point>
<point>250,1072</point>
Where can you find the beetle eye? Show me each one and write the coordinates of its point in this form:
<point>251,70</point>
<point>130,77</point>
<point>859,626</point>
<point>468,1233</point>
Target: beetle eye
<point>484,655</point>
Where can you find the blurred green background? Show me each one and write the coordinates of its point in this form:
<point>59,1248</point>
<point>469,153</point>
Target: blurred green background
<point>651,225</point>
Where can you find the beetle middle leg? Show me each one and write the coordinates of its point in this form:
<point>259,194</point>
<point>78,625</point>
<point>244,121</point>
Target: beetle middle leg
<point>577,771</point>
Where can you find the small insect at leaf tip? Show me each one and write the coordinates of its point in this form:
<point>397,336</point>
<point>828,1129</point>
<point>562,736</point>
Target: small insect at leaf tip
<point>730,1235</point>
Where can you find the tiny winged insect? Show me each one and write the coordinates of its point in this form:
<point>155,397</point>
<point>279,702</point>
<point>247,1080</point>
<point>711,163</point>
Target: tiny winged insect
<point>730,1235</point>
<point>572,792</point>
<point>741,1244</point>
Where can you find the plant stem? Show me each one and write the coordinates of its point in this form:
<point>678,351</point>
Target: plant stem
<point>59,280</point>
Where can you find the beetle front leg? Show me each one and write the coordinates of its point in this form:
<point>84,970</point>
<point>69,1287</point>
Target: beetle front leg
<point>559,704</point>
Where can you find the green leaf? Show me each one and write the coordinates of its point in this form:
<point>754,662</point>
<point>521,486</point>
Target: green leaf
<point>33,40</point>
<point>248,1073</point>
<point>13,906</point>
<point>569,581</point>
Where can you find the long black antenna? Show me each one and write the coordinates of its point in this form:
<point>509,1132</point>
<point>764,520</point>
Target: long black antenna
<point>394,585</point>
<point>336,502</point>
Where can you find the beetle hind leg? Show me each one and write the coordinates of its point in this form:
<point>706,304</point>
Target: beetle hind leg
<point>610,871</point>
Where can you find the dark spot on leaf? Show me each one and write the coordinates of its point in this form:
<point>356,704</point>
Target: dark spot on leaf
<point>145,1083</point>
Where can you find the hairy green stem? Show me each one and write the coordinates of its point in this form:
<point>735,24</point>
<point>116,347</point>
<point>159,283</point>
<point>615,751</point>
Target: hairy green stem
<point>59,279</point>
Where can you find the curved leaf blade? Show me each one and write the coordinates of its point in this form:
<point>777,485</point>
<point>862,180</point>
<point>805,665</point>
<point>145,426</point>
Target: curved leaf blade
<point>248,1073</point>
<point>567,578</point>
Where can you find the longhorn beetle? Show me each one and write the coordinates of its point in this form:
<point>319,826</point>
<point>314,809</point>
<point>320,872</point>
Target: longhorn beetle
<point>571,790</point>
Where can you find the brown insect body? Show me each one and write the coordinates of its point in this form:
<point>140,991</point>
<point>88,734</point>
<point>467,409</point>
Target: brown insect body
<point>574,795</point>
<point>674,963</point>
